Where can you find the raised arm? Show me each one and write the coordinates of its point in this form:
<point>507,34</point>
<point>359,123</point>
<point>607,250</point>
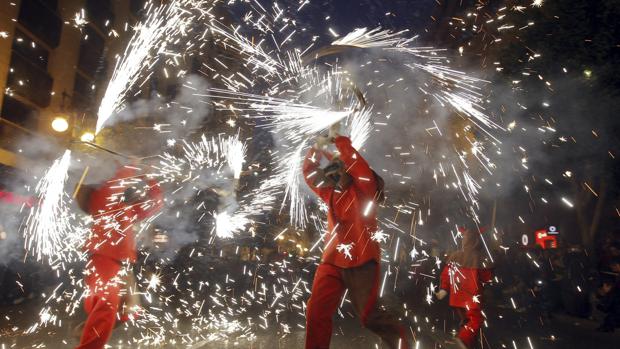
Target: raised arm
<point>356,166</point>
<point>310,168</point>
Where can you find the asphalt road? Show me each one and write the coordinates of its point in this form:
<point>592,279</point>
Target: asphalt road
<point>505,328</point>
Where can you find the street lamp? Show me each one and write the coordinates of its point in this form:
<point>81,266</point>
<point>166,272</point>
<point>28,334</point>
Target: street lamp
<point>87,137</point>
<point>60,124</point>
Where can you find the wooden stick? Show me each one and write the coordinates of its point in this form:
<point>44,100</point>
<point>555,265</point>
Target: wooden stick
<point>79,185</point>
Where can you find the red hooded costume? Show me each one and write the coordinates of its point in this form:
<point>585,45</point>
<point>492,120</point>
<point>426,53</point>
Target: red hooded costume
<point>112,234</point>
<point>111,242</point>
<point>463,277</point>
<point>354,209</point>
<point>351,221</point>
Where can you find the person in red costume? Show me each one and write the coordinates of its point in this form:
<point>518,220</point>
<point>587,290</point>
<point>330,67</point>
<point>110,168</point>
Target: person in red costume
<point>115,206</point>
<point>351,257</point>
<point>463,278</point>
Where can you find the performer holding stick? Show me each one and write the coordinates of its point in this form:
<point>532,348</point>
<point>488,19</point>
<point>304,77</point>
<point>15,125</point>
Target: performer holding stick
<point>351,259</point>
<point>115,205</point>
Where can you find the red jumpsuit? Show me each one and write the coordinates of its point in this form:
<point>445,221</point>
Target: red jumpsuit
<point>111,242</point>
<point>465,287</point>
<point>351,221</point>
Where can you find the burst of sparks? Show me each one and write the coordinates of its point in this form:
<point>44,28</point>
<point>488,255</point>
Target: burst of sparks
<point>48,226</point>
<point>145,46</point>
<point>79,20</point>
<point>364,38</point>
<point>226,225</point>
<point>379,236</point>
<point>345,249</point>
<point>235,156</point>
<point>290,107</point>
<point>361,127</point>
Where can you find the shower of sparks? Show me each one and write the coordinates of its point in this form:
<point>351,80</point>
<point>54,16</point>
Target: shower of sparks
<point>207,158</point>
<point>360,129</point>
<point>49,227</point>
<point>364,38</point>
<point>208,153</point>
<point>297,211</point>
<point>149,41</point>
<point>226,225</point>
<point>271,84</point>
<point>235,156</point>
<point>293,119</point>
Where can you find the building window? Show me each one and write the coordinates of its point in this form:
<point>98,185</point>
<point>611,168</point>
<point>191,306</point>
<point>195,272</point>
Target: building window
<point>100,13</point>
<point>30,50</point>
<point>41,18</point>
<point>91,52</point>
<point>136,7</point>
<point>83,94</point>
<point>28,80</point>
<point>19,113</point>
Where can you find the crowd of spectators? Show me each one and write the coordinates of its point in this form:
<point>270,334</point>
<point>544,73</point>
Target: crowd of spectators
<point>608,292</point>
<point>567,280</point>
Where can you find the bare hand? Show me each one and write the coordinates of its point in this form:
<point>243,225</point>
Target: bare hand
<point>334,131</point>
<point>322,142</point>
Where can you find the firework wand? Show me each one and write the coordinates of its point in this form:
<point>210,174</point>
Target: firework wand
<point>96,146</point>
<point>110,151</point>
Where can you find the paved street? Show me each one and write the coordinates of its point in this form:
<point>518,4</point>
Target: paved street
<point>506,329</point>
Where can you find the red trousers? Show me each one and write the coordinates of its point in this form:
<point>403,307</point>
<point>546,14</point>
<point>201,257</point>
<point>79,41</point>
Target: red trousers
<point>362,282</point>
<point>102,304</point>
<point>472,321</point>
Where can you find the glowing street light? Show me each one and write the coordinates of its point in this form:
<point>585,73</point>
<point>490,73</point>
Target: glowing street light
<point>87,137</point>
<point>60,124</point>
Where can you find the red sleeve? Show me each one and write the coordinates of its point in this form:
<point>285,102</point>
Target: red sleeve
<point>153,203</point>
<point>357,167</point>
<point>444,280</point>
<point>310,166</point>
<point>485,274</point>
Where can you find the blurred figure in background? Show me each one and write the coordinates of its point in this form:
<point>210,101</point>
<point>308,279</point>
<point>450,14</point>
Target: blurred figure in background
<point>609,304</point>
<point>462,278</point>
